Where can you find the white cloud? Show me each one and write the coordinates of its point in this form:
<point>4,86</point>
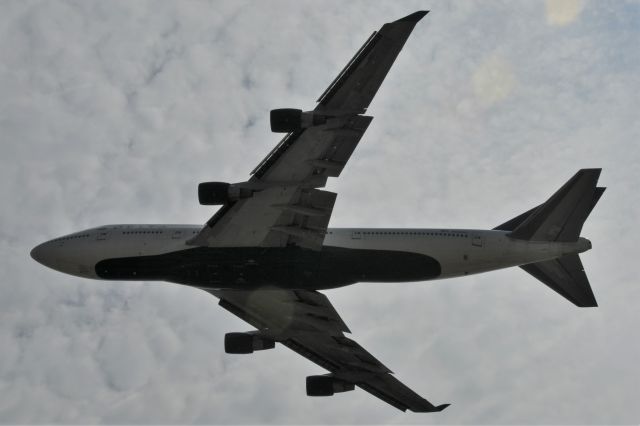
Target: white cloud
<point>563,12</point>
<point>112,112</point>
<point>493,81</point>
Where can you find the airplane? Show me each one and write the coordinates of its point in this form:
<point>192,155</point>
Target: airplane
<point>268,250</point>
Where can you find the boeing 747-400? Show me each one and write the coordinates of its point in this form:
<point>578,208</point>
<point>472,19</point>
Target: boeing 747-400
<point>268,251</point>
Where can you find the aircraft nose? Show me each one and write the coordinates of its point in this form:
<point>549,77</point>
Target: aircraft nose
<point>43,254</point>
<point>68,257</point>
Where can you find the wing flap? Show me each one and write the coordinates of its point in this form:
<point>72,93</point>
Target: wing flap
<point>247,222</point>
<point>304,221</point>
<point>301,155</point>
<point>284,312</point>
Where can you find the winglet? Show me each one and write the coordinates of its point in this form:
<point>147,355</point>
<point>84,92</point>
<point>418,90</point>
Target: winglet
<point>430,408</point>
<point>414,17</point>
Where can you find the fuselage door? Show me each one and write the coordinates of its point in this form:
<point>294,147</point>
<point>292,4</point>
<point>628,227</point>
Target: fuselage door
<point>356,235</point>
<point>476,240</point>
<point>103,234</point>
<point>177,234</point>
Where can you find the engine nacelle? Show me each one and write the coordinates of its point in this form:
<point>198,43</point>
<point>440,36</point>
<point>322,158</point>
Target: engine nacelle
<point>246,343</point>
<point>286,120</point>
<point>213,193</point>
<point>216,193</point>
<point>327,385</point>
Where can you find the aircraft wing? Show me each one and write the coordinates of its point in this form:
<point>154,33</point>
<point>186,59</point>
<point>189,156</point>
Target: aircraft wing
<point>286,207</point>
<point>307,323</point>
<point>356,85</point>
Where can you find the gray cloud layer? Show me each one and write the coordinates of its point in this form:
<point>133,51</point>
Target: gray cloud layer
<point>112,112</point>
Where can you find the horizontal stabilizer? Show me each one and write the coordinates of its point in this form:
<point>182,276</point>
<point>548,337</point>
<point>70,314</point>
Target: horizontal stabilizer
<point>561,217</point>
<point>565,276</point>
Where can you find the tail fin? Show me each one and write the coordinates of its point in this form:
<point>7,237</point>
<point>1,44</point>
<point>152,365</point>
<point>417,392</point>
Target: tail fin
<point>560,219</point>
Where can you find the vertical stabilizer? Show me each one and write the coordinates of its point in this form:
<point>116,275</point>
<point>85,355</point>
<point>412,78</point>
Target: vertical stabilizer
<point>561,217</point>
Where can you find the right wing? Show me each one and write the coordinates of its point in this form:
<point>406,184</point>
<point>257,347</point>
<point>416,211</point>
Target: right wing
<point>307,323</point>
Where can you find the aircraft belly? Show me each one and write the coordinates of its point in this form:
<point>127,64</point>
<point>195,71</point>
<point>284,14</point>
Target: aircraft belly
<point>286,267</point>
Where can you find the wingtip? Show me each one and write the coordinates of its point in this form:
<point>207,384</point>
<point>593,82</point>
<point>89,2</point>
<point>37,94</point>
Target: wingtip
<point>594,170</point>
<point>441,407</point>
<point>414,17</point>
<point>429,408</point>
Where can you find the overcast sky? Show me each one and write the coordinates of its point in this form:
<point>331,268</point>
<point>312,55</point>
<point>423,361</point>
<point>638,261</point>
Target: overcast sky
<point>113,112</point>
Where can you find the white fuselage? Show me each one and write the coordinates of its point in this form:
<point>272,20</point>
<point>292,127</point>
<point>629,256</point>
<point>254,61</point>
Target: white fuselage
<point>457,251</point>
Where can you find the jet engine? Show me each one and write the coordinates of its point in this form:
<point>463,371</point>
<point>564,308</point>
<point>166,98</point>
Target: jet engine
<point>216,193</point>
<point>327,385</point>
<point>286,120</point>
<point>246,343</point>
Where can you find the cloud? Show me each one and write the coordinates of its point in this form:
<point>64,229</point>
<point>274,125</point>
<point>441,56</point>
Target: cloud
<point>493,81</point>
<point>112,112</point>
<point>563,12</point>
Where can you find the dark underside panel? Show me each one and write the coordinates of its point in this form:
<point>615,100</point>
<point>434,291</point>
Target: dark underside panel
<point>285,267</point>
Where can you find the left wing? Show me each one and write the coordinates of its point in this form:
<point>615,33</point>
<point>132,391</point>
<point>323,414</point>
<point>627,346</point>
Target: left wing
<point>286,206</point>
<point>282,203</point>
<point>307,323</point>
